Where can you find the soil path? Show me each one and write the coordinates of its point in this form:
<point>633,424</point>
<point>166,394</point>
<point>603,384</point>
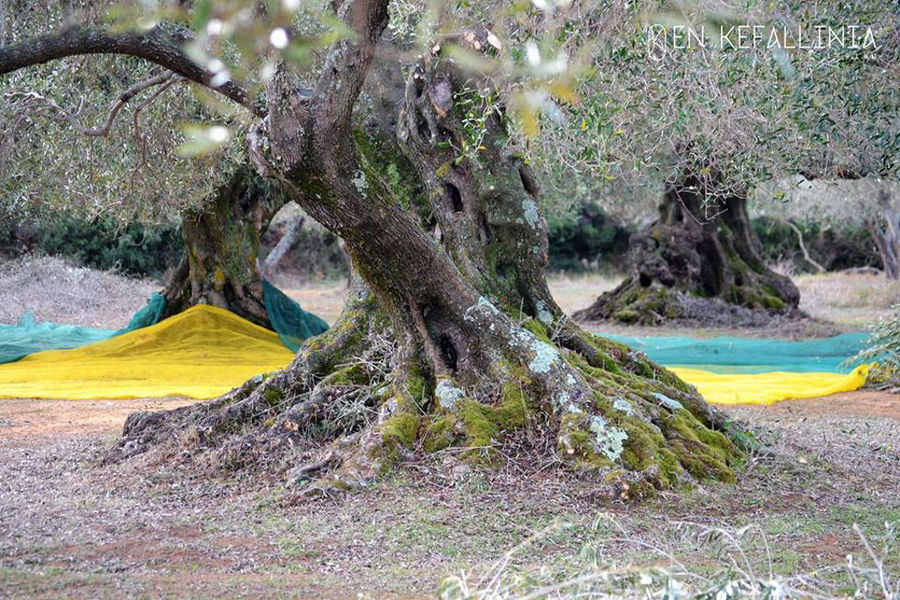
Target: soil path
<point>28,420</point>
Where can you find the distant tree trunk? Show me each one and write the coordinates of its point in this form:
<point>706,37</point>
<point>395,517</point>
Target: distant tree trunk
<point>806,255</point>
<point>220,265</point>
<point>885,233</point>
<point>287,241</point>
<point>684,256</point>
<point>2,23</point>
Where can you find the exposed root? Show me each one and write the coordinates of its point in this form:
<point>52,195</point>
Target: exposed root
<point>328,391</point>
<point>347,409</point>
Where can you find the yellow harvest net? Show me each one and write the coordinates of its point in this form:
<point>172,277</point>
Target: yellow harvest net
<point>201,353</point>
<point>206,351</point>
<point>769,388</point>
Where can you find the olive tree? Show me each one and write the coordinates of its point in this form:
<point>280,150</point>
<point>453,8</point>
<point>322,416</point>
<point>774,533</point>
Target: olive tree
<point>118,136</point>
<point>679,111</point>
<point>452,338</point>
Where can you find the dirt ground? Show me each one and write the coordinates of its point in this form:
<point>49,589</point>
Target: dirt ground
<point>846,301</point>
<point>72,526</point>
<point>54,289</point>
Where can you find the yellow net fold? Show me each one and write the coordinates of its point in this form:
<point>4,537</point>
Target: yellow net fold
<point>769,388</point>
<point>201,353</point>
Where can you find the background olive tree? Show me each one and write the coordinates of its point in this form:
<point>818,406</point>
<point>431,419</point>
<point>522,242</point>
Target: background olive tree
<point>115,139</point>
<point>698,128</point>
<point>639,113</point>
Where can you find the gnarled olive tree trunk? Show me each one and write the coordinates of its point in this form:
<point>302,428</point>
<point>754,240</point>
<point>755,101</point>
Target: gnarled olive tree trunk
<point>692,267</point>
<point>221,241</point>
<point>455,340</point>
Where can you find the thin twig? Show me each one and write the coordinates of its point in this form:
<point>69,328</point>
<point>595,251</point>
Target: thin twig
<point>117,106</point>
<point>136,119</point>
<point>879,564</point>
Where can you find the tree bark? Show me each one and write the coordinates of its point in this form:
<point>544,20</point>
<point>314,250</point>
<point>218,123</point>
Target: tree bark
<point>2,23</point>
<point>887,238</point>
<point>220,265</point>
<point>806,255</point>
<point>689,267</point>
<point>455,339</point>
<point>276,254</point>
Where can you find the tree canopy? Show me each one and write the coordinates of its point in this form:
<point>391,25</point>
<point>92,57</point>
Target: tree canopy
<point>608,99</point>
<point>104,135</point>
<point>669,93</point>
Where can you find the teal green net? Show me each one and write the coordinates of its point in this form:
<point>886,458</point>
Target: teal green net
<point>28,337</point>
<point>147,316</point>
<point>293,324</point>
<point>289,320</point>
<point>749,355</point>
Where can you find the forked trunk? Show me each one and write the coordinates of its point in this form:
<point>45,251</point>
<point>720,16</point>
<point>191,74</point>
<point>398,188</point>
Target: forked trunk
<point>221,241</point>
<point>456,340</point>
<point>693,266</point>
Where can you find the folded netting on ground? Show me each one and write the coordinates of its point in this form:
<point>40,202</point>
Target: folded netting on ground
<point>769,388</point>
<point>28,337</point>
<point>201,353</point>
<point>205,351</point>
<point>748,355</point>
<point>293,324</point>
<point>289,320</point>
<point>731,370</point>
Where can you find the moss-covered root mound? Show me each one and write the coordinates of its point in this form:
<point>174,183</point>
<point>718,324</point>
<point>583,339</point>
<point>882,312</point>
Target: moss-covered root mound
<point>633,304</point>
<point>689,267</point>
<point>633,426</point>
<point>349,408</point>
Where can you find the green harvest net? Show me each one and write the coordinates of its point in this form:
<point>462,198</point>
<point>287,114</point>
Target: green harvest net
<point>292,323</point>
<point>747,355</point>
<point>28,337</point>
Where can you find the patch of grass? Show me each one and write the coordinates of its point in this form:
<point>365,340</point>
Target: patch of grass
<point>21,582</point>
<point>854,299</point>
<point>293,547</point>
<point>724,562</point>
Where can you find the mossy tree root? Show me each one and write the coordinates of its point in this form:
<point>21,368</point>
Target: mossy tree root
<point>348,409</point>
<point>295,398</point>
<point>687,267</point>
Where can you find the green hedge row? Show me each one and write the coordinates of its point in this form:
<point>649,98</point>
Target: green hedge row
<point>140,250</point>
<point>589,241</point>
